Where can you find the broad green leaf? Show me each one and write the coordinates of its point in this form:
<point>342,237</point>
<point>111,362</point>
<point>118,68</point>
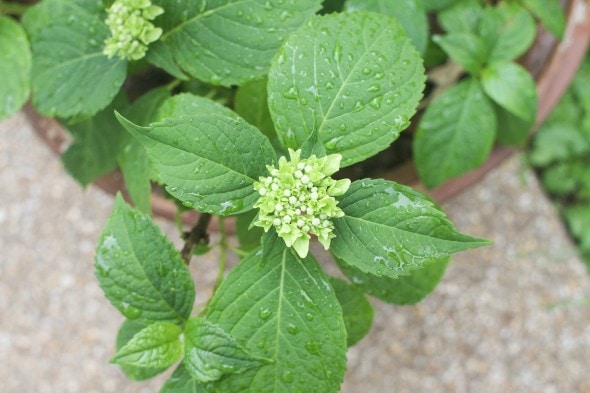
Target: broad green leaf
<point>559,179</point>
<point>455,134</point>
<point>251,102</point>
<point>211,352</point>
<point>511,130</point>
<point>140,271</point>
<point>97,144</point>
<point>578,220</point>
<point>461,17</point>
<point>410,13</point>
<point>389,229</point>
<point>356,309</point>
<point>160,56</point>
<point>71,76</point>
<point>404,290</point>
<point>228,42</point>
<point>15,66</point>
<point>550,13</point>
<point>127,331</point>
<point>133,159</point>
<point>181,382</point>
<point>282,307</point>
<point>467,49</point>
<point>516,32</point>
<point>208,161</point>
<point>186,104</point>
<point>511,87</point>
<point>355,78</point>
<point>158,345</point>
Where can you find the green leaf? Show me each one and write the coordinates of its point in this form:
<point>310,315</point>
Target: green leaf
<point>558,142</point>
<point>461,17</point>
<point>455,134</point>
<point>251,102</point>
<point>511,87</point>
<point>127,331</point>
<point>211,352</point>
<point>228,42</point>
<point>578,220</point>
<point>71,76</point>
<point>355,78</point>
<point>281,307</point>
<point>356,309</point>
<point>550,13</point>
<point>389,229</point>
<point>97,144</point>
<point>140,271</point>
<point>467,49</point>
<point>511,130</point>
<point>405,290</point>
<point>181,382</point>
<point>516,32</point>
<point>437,5</point>
<point>208,161</point>
<point>15,66</point>
<point>186,104</point>
<point>249,237</point>
<point>410,14</point>
<point>160,56</point>
<point>329,6</point>
<point>159,345</point>
<point>133,159</point>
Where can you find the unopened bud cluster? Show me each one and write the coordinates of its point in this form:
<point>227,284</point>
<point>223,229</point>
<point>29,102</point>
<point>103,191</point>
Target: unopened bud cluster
<point>298,199</point>
<point>131,29</point>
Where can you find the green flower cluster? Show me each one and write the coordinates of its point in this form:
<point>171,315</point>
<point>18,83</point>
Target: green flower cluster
<point>131,29</point>
<point>298,199</point>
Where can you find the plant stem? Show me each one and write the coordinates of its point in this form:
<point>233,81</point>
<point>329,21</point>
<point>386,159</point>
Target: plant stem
<point>196,236</point>
<point>12,8</point>
<point>222,252</point>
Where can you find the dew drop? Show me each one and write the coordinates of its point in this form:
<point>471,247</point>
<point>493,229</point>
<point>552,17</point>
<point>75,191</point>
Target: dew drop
<point>292,329</point>
<point>291,93</point>
<point>287,376</point>
<point>374,88</point>
<point>129,311</point>
<point>366,71</point>
<point>309,316</point>
<point>188,203</point>
<point>264,313</point>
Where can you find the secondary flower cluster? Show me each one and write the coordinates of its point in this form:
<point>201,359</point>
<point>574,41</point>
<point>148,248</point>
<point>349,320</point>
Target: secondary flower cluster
<point>298,199</point>
<point>131,29</point>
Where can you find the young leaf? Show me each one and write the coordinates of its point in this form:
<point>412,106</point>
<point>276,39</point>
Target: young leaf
<point>511,130</point>
<point>511,87</point>
<point>389,229</point>
<point>128,330</point>
<point>160,56</point>
<point>15,66</point>
<point>455,135</point>
<point>404,290</point>
<point>228,42</point>
<point>410,13</point>
<point>550,13</point>
<point>208,161</point>
<point>461,17</point>
<point>71,76</point>
<point>97,144</point>
<point>140,271</point>
<point>281,307</point>
<point>467,49</point>
<point>211,352</point>
<point>516,31</point>
<point>159,345</point>
<point>356,309</point>
<point>181,382</point>
<point>355,77</point>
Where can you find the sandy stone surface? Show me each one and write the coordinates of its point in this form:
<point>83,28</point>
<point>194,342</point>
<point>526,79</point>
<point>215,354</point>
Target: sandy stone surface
<point>507,318</point>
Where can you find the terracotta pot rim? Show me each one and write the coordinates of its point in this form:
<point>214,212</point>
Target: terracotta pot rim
<point>552,81</point>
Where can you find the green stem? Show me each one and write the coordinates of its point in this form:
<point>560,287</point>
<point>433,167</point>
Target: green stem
<point>173,84</point>
<point>13,8</point>
<point>223,246</point>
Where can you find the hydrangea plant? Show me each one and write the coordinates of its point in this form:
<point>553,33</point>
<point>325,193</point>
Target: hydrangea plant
<point>254,112</point>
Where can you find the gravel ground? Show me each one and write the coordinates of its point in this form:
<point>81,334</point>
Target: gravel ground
<point>506,318</point>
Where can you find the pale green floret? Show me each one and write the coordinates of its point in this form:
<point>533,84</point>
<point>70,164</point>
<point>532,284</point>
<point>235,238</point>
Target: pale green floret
<point>298,199</point>
<point>131,29</point>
